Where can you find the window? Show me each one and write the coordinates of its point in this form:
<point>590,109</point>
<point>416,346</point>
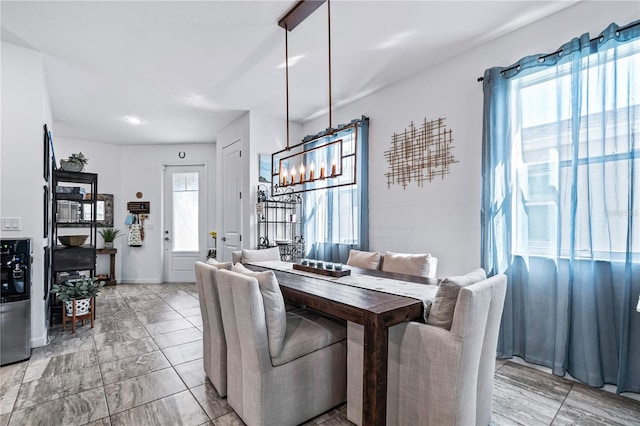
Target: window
<point>559,155</point>
<point>185,211</point>
<point>332,216</point>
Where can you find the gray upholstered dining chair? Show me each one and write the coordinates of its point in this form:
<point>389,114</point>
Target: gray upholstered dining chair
<point>213,340</point>
<point>286,367</point>
<point>442,372</point>
<point>251,255</point>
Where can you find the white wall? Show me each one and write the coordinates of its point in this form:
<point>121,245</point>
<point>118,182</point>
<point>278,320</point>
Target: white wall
<point>104,159</point>
<point>25,109</point>
<point>142,171</point>
<point>443,217</point>
<point>260,133</point>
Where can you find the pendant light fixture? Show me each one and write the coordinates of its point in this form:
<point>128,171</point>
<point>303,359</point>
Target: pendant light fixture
<point>311,164</point>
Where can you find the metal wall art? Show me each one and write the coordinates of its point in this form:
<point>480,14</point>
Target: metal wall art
<point>420,154</point>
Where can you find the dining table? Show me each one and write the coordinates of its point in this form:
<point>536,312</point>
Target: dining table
<point>375,310</point>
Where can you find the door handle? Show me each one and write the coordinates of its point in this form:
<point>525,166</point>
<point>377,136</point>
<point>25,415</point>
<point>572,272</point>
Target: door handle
<point>224,238</point>
<point>167,239</point>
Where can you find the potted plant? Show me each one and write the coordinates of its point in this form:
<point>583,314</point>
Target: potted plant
<point>80,291</point>
<point>109,235</point>
<point>75,163</point>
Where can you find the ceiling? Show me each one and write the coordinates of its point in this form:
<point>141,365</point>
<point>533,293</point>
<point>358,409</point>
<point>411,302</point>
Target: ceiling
<point>189,68</point>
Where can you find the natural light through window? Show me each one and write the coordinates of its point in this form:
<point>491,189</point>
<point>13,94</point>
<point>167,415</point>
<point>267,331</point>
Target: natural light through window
<point>546,157</point>
<point>185,211</point>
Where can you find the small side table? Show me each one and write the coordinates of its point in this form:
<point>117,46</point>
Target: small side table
<point>112,264</point>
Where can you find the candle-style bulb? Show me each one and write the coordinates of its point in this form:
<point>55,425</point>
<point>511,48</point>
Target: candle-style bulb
<point>301,173</point>
<point>312,168</point>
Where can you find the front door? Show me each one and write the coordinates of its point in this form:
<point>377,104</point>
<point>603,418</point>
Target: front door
<point>184,234</point>
<point>232,199</point>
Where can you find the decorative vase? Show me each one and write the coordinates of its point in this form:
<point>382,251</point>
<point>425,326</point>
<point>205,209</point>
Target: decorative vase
<point>108,244</point>
<point>83,306</point>
<point>71,166</point>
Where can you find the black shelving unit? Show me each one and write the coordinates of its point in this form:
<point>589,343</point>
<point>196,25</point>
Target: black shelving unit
<point>72,259</point>
<point>279,224</point>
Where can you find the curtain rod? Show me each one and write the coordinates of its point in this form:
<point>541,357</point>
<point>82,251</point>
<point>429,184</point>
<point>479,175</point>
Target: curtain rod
<point>633,24</point>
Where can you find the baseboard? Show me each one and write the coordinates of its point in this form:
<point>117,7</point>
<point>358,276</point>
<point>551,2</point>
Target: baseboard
<point>137,281</point>
<point>42,340</point>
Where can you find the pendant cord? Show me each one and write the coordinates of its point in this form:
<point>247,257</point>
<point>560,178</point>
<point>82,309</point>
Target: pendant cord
<point>286,60</point>
<point>329,32</point>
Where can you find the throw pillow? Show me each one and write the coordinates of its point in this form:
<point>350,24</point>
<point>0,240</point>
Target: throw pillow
<point>421,265</point>
<point>219,265</point>
<point>364,259</point>
<point>274,307</point>
<point>272,253</point>
<point>441,314</point>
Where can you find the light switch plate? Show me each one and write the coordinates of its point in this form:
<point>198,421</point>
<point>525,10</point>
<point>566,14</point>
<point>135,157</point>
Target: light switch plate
<point>11,223</point>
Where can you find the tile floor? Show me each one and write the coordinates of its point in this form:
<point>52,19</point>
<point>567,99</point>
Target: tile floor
<point>142,365</point>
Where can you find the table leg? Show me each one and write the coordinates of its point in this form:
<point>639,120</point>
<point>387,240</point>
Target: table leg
<point>374,403</point>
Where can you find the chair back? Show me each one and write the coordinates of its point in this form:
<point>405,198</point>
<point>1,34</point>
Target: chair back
<point>214,341</point>
<point>486,371</point>
<point>244,323</point>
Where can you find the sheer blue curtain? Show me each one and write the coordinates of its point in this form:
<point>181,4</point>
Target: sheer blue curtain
<point>561,206</point>
<point>336,220</point>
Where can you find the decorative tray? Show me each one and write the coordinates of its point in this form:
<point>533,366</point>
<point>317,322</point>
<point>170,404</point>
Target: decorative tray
<point>323,271</point>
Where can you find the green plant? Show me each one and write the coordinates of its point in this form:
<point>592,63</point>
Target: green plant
<point>78,158</point>
<point>109,234</point>
<point>76,289</point>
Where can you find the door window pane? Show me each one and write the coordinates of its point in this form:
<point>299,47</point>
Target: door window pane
<point>185,212</point>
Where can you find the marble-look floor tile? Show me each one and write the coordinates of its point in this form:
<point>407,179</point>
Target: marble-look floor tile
<point>130,393</point>
<point>196,321</point>
<point>8,398</point>
<point>210,400</point>
<point>77,409</point>
<point>546,385</point>
<point>118,351</point>
<point>178,409</point>
<point>231,419</point>
<point>4,419</point>
<point>177,337</point>
<point>105,421</point>
<point>192,373</point>
<point>54,387</point>
<point>138,365</point>
<point>113,337</point>
<point>522,405</point>
<point>156,317</point>
<point>11,375</point>
<point>167,326</point>
<point>183,353</point>
<point>190,312</point>
<point>140,297</point>
<point>60,364</point>
<point>182,302</point>
<point>150,306</point>
<point>115,323</point>
<point>589,403</point>
<point>131,288</point>
<point>64,344</point>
